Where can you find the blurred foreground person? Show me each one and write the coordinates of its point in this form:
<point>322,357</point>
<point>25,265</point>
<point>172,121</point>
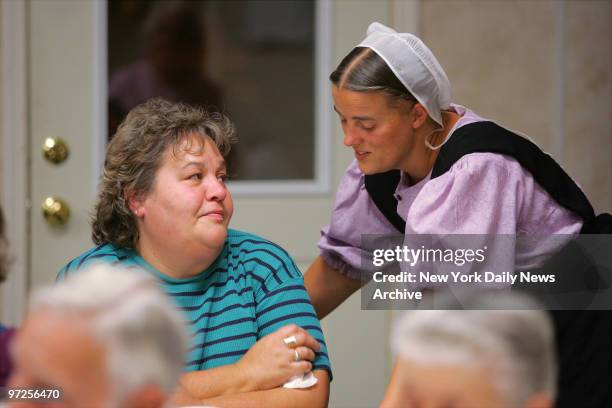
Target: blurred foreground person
<point>474,358</point>
<point>6,333</point>
<point>106,338</point>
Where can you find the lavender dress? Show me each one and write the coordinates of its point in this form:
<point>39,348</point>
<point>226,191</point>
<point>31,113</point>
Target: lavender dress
<point>482,193</point>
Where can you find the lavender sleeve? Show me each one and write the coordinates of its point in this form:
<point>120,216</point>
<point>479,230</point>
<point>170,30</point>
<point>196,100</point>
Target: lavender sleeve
<point>483,193</point>
<point>354,214</point>
<point>486,193</point>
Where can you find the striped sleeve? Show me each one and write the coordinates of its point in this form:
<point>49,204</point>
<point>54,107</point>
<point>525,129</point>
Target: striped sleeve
<point>289,303</point>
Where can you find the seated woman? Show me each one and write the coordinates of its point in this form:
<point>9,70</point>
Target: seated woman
<point>164,206</point>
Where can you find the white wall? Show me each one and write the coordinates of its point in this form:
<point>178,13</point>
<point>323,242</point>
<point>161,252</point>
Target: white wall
<point>540,67</point>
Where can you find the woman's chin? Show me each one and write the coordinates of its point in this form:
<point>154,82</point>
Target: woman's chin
<point>371,168</point>
<point>217,235</point>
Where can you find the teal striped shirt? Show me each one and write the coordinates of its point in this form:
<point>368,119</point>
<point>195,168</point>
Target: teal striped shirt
<point>251,290</point>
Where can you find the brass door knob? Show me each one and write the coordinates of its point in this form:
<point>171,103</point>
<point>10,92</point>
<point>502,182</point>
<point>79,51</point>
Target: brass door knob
<point>55,150</point>
<point>56,211</point>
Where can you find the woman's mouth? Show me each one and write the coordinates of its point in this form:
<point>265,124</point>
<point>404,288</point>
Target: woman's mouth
<point>361,155</point>
<point>215,215</point>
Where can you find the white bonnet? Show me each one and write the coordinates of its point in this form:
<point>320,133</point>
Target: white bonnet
<point>414,65</point>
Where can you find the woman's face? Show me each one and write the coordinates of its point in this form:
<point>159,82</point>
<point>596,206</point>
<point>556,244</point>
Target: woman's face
<point>189,208</point>
<point>377,127</point>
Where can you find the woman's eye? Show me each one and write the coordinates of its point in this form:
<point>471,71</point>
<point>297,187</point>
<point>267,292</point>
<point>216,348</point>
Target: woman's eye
<point>195,176</point>
<point>222,177</point>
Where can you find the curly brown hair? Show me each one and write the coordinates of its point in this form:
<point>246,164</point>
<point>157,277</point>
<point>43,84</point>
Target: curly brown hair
<point>135,154</point>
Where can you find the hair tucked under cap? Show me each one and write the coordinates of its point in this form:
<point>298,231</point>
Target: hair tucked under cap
<point>414,65</point>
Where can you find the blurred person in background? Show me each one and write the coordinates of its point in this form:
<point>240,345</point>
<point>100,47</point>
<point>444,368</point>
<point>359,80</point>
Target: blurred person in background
<point>173,66</point>
<point>164,206</point>
<point>483,358</point>
<point>107,337</point>
<point>6,333</point>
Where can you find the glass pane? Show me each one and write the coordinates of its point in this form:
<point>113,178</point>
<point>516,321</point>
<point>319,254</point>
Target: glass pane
<point>253,60</point>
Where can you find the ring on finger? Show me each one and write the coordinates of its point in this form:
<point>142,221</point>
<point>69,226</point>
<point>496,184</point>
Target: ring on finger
<point>290,341</point>
<point>296,355</point>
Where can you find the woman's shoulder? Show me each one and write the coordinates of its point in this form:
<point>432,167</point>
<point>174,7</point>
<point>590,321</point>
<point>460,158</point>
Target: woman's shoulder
<point>262,257</point>
<point>246,241</point>
<point>484,161</point>
<point>481,161</point>
<point>105,253</point>
<point>247,245</point>
<point>479,176</point>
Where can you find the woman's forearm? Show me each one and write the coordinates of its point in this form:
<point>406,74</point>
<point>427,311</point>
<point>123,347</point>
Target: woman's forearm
<point>394,394</point>
<point>314,397</point>
<point>199,385</point>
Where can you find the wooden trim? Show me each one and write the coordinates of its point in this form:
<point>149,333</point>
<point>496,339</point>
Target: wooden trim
<point>14,153</point>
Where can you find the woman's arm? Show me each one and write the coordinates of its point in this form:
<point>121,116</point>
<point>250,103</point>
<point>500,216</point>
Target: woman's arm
<point>394,393</point>
<point>268,364</point>
<point>327,287</point>
<point>195,386</point>
<point>313,397</point>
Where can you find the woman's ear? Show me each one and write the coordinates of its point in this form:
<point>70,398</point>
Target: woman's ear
<point>420,115</point>
<point>135,203</point>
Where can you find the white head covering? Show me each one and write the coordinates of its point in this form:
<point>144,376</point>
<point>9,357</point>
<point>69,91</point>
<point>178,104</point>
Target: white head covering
<point>414,65</point>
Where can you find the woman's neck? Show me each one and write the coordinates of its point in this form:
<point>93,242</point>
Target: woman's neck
<point>423,164</point>
<point>177,267</point>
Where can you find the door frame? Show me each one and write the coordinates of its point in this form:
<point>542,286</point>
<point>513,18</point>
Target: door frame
<point>15,143</point>
<point>14,166</point>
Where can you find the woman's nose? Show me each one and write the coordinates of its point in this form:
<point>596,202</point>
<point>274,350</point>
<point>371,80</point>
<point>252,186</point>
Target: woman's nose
<point>350,138</point>
<point>216,190</point>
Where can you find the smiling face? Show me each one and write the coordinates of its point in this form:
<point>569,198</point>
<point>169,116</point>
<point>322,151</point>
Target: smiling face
<point>183,220</point>
<point>379,128</point>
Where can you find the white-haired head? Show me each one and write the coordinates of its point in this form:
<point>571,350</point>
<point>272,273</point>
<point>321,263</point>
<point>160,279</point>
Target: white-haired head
<point>516,344</point>
<point>143,334</point>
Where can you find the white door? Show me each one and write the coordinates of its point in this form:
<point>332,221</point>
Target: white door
<point>66,100</point>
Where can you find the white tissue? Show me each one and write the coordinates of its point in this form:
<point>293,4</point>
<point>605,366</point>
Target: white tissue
<point>301,381</point>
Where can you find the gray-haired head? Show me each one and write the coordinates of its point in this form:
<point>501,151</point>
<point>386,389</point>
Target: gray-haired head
<point>143,334</point>
<point>504,334</point>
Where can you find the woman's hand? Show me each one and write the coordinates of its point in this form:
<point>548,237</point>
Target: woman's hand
<point>270,362</point>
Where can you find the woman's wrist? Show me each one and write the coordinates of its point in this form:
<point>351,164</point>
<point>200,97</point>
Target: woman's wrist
<point>244,381</point>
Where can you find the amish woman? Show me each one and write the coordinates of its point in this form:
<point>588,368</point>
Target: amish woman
<point>393,100</point>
